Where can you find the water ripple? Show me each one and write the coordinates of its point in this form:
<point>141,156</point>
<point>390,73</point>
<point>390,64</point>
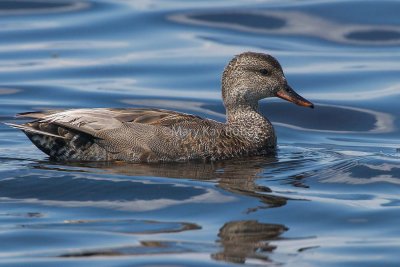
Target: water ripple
<point>27,7</point>
<point>293,23</point>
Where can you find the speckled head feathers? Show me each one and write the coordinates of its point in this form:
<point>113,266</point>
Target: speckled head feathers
<point>250,77</point>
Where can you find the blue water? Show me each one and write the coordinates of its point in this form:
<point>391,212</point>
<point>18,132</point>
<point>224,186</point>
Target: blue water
<point>329,198</point>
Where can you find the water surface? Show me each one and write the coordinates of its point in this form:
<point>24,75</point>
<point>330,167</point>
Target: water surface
<point>330,197</point>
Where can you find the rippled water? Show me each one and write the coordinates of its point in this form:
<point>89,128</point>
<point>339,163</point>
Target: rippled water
<point>329,198</point>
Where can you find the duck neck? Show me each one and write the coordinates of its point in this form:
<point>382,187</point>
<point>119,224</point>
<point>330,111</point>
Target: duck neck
<point>246,121</point>
<point>246,117</point>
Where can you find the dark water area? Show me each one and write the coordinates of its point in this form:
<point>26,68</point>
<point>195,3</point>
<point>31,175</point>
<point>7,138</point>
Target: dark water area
<point>330,197</point>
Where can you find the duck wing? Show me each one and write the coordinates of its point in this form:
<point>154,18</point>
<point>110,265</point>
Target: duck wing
<point>91,121</point>
<point>92,134</point>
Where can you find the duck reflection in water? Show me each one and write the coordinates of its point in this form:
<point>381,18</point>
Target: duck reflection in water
<point>247,239</point>
<point>237,176</point>
<point>240,240</point>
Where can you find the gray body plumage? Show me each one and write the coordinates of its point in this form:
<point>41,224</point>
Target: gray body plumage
<point>152,135</point>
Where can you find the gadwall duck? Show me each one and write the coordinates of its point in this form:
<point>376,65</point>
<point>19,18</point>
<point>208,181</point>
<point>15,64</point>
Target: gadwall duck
<point>152,135</point>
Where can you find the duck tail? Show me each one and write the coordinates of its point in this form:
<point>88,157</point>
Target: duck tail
<point>29,129</point>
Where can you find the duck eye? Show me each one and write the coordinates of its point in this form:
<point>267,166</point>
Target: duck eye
<point>264,71</point>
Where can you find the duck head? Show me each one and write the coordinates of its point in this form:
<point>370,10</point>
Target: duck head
<point>250,77</point>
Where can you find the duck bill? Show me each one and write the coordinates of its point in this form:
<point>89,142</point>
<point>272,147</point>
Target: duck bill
<point>290,95</point>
